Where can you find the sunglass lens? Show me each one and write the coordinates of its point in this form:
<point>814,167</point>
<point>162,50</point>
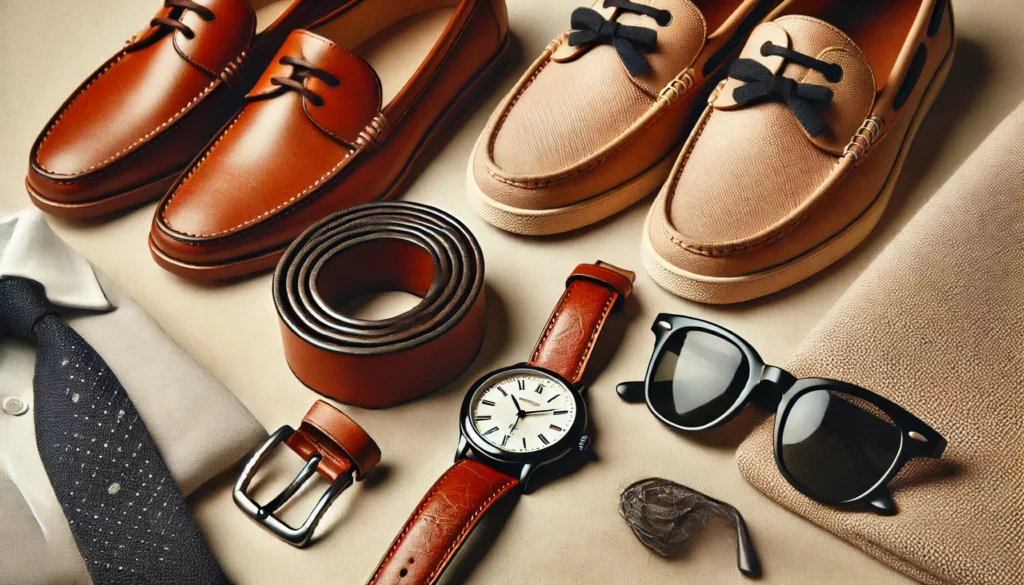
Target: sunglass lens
<point>837,446</point>
<point>698,378</point>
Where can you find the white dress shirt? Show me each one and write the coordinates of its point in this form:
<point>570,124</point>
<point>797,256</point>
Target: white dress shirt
<point>200,428</point>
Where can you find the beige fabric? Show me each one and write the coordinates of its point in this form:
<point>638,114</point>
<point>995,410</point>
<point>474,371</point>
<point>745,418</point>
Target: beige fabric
<point>937,325</point>
<point>569,111</point>
<point>568,531</point>
<point>199,427</point>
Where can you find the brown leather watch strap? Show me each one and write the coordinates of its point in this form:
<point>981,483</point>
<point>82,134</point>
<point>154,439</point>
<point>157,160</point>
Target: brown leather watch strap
<point>381,247</point>
<point>341,442</point>
<point>440,524</point>
<point>592,292</point>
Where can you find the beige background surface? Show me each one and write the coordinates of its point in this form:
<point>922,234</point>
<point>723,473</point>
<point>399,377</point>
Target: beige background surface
<point>569,530</point>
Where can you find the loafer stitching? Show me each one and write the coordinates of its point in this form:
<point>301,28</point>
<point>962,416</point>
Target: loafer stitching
<point>195,168</point>
<point>166,206</point>
<point>96,77</point>
<point>130,147</point>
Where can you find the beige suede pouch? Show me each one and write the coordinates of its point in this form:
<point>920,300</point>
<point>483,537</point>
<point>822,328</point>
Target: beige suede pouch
<point>936,324</point>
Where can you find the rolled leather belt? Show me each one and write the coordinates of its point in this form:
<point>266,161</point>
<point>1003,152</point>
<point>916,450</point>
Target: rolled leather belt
<point>382,246</point>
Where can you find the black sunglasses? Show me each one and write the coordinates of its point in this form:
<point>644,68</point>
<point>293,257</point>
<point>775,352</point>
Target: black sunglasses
<point>836,443</point>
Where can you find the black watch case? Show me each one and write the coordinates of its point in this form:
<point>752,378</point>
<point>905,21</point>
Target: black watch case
<point>470,440</point>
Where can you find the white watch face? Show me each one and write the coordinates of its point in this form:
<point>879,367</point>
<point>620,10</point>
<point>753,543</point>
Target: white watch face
<point>523,412</point>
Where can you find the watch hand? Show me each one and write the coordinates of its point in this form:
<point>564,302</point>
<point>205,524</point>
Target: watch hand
<point>529,412</point>
<point>519,409</point>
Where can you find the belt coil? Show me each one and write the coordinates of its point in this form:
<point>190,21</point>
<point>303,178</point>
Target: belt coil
<point>371,248</point>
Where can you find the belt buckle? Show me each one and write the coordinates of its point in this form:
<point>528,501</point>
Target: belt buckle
<point>264,514</point>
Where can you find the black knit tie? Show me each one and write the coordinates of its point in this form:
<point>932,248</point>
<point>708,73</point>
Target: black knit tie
<point>125,511</point>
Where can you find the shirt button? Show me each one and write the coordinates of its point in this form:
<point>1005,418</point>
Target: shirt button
<point>15,406</point>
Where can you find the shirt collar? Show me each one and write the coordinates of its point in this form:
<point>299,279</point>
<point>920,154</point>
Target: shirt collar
<point>30,249</point>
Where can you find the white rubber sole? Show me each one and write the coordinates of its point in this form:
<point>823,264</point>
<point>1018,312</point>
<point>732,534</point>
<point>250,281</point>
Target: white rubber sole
<point>724,290</point>
<point>531,222</point>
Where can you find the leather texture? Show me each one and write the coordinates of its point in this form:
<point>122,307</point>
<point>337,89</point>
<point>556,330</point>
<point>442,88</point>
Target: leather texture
<point>577,125</point>
<point>373,248</point>
<point>752,191</point>
<point>285,160</point>
<point>592,292</point>
<point>935,324</point>
<point>135,123</point>
<point>342,443</point>
<point>441,523</point>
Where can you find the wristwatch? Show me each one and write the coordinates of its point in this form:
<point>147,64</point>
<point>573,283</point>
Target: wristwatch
<point>513,421</point>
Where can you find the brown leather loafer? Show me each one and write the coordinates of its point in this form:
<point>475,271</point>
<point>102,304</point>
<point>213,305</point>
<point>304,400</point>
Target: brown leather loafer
<point>595,123</point>
<point>337,119</point>
<point>793,162</point>
<point>127,132</point>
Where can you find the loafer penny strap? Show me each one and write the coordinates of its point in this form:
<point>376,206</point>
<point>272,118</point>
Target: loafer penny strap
<point>441,523</point>
<point>592,292</point>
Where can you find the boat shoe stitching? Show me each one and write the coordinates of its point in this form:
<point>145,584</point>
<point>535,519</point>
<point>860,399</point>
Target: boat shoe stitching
<point>624,140</point>
<point>717,251</point>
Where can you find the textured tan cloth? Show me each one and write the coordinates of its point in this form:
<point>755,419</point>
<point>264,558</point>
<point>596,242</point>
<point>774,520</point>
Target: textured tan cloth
<point>937,324</point>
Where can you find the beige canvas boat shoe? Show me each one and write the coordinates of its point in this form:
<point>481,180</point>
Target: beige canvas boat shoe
<point>794,159</point>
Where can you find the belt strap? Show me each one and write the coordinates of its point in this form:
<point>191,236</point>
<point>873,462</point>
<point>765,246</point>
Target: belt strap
<point>372,248</point>
<point>342,443</point>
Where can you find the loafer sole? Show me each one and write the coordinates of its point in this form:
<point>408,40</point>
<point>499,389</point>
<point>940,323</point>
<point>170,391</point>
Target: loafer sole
<point>105,206</point>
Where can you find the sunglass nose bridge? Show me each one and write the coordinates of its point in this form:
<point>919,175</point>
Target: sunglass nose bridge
<point>773,384</point>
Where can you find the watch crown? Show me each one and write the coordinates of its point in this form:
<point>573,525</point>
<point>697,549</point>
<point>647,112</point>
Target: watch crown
<point>584,443</point>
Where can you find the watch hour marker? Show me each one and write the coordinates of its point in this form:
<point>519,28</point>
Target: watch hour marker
<point>503,393</point>
<point>540,388</point>
<point>487,402</point>
<point>553,397</point>
<point>504,441</point>
<point>555,428</point>
<point>543,439</point>
<point>561,412</point>
<point>524,442</point>
<point>522,384</point>
<point>491,430</point>
<point>484,417</point>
